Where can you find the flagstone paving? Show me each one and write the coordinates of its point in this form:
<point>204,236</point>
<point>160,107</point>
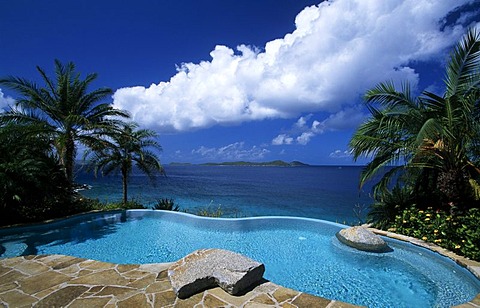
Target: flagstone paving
<point>64,281</point>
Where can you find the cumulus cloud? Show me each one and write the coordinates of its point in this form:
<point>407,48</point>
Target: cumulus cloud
<point>5,101</point>
<point>282,139</point>
<point>234,151</point>
<point>305,137</point>
<point>340,154</point>
<point>338,49</point>
<point>348,118</point>
<point>302,121</point>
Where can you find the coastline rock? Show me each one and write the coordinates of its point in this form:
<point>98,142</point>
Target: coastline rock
<point>207,268</point>
<point>362,239</point>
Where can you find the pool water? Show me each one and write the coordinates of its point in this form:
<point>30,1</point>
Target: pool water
<point>298,253</point>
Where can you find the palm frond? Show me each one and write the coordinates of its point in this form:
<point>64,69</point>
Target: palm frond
<point>464,61</point>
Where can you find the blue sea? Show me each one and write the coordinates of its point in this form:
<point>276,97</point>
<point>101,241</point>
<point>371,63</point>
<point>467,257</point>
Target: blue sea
<point>324,192</point>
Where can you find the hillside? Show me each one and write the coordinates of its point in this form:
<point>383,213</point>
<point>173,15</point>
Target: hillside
<point>275,163</point>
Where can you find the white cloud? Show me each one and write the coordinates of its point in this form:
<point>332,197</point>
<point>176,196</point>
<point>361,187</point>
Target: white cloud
<point>282,139</point>
<point>5,101</point>
<point>305,137</point>
<point>340,154</point>
<point>339,49</point>
<point>234,151</point>
<point>348,118</point>
<point>302,121</point>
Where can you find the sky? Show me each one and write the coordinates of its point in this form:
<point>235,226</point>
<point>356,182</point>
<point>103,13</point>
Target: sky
<point>230,80</point>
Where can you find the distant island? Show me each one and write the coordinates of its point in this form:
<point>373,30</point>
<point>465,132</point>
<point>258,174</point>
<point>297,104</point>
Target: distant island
<point>275,163</point>
<point>180,164</point>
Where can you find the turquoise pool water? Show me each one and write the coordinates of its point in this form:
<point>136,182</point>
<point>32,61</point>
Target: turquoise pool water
<point>298,253</point>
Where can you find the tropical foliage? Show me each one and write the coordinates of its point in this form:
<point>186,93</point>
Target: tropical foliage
<point>62,111</point>
<point>126,145</point>
<point>208,212</point>
<point>432,139</point>
<point>388,204</point>
<point>96,205</point>
<point>40,136</point>
<point>166,204</point>
<point>428,149</point>
<point>458,233</point>
<point>32,184</point>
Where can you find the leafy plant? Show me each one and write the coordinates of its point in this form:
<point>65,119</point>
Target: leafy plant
<point>33,185</point>
<point>359,212</point>
<point>166,205</point>
<point>428,132</point>
<point>87,204</point>
<point>458,233</point>
<point>388,204</point>
<point>431,143</point>
<point>209,212</point>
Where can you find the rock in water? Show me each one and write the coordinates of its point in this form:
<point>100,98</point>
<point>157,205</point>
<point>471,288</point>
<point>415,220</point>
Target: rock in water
<point>362,239</point>
<point>206,268</point>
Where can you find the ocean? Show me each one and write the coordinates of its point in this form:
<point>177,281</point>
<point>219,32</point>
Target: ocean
<point>323,192</point>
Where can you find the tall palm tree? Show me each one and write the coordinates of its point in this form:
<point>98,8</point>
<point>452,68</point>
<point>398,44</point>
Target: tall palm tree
<point>63,110</point>
<point>127,145</point>
<point>32,183</point>
<point>435,135</point>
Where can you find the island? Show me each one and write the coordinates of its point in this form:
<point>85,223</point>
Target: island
<point>275,163</point>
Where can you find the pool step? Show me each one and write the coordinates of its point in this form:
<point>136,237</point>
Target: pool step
<point>13,249</point>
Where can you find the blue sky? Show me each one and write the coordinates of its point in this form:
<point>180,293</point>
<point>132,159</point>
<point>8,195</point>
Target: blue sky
<point>224,80</point>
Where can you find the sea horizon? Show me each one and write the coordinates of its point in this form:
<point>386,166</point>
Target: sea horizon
<point>323,192</point>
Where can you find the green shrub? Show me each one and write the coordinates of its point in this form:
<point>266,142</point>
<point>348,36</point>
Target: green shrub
<point>83,204</point>
<point>387,204</point>
<point>459,233</point>
<point>217,211</point>
<point>87,204</point>
<point>209,212</point>
<point>166,205</point>
<point>130,205</point>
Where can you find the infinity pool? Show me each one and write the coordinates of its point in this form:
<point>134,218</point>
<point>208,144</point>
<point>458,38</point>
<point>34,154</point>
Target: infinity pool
<point>298,253</point>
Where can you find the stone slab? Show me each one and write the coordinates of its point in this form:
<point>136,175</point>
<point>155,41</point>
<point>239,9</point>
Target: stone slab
<point>362,239</point>
<point>62,297</point>
<point>207,268</point>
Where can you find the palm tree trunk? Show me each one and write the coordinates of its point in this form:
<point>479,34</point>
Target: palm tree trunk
<point>69,159</point>
<point>124,182</point>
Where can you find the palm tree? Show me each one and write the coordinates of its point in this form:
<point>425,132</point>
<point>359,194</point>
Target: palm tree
<point>33,185</point>
<point>63,110</point>
<point>127,145</point>
<point>432,136</point>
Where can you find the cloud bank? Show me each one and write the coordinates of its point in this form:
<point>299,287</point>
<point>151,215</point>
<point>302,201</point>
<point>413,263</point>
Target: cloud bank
<point>232,152</point>
<point>341,154</point>
<point>338,49</point>
<point>5,101</point>
<point>302,132</point>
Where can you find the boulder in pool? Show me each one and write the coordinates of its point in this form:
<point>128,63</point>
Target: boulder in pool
<point>207,268</point>
<point>362,239</point>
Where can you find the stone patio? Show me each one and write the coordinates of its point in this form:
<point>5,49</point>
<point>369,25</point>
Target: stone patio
<point>63,281</point>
